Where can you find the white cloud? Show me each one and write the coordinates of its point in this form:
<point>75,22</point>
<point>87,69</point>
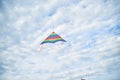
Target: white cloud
<point>90,49</point>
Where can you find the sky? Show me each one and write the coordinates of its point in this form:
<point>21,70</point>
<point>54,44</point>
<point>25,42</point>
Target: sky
<point>91,29</point>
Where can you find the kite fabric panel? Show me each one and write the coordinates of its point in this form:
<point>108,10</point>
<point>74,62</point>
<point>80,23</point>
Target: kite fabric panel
<point>52,38</point>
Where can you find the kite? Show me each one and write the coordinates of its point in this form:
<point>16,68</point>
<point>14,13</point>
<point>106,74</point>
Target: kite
<point>52,38</point>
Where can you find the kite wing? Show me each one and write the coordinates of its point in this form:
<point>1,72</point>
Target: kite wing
<point>52,38</point>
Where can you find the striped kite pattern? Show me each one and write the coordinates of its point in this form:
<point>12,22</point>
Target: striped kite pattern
<point>52,38</point>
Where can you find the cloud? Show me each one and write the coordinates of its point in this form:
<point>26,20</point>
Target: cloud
<point>91,29</point>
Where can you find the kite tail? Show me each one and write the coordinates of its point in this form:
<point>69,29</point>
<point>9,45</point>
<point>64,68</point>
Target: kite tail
<point>41,47</point>
<point>62,43</point>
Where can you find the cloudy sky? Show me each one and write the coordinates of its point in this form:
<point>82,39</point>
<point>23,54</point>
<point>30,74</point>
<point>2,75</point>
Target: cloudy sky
<point>91,29</point>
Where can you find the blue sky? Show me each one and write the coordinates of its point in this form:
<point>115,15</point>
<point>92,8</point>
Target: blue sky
<point>91,29</point>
